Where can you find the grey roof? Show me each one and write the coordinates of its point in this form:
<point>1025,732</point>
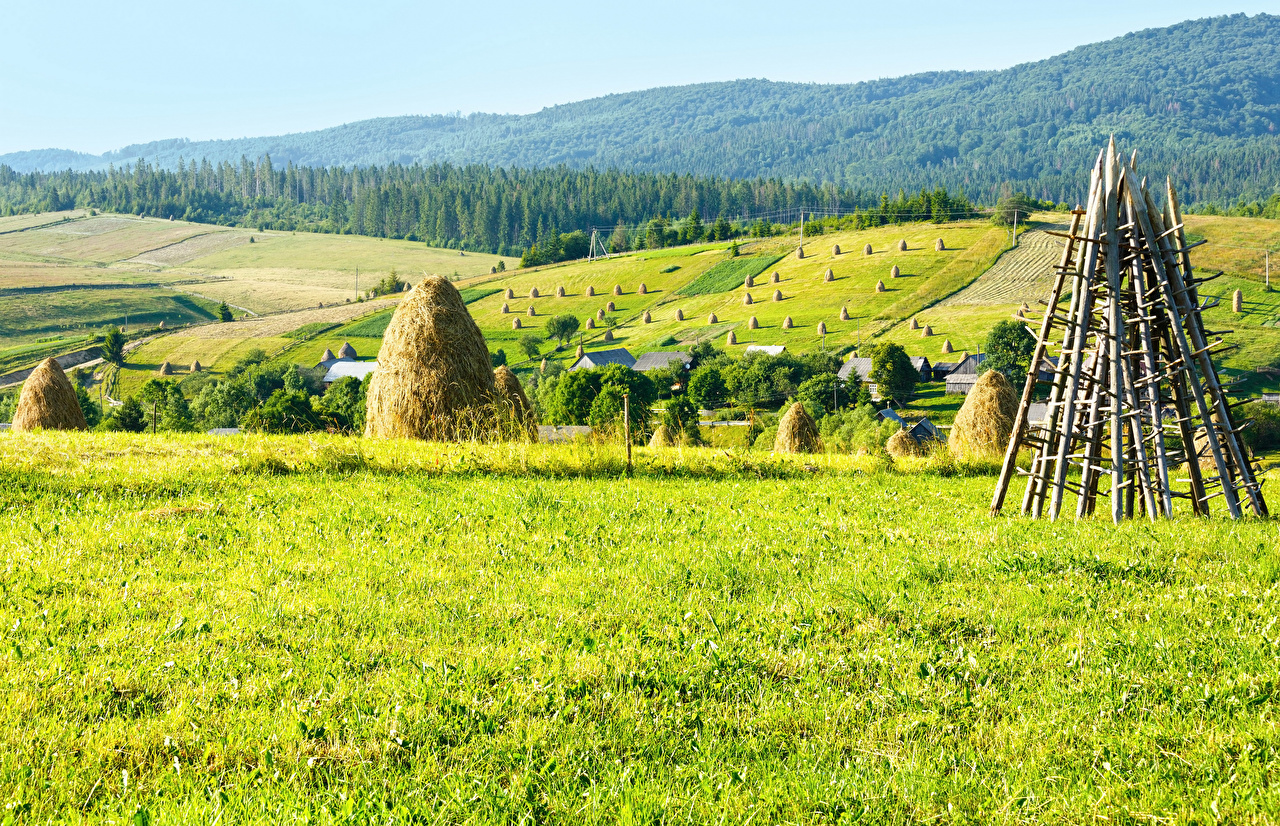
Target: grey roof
<point>891,415</point>
<point>656,361</point>
<point>600,358</point>
<point>767,349</point>
<point>921,364</point>
<point>970,364</point>
<point>943,367</point>
<point>923,429</point>
<point>1037,412</point>
<point>861,366</point>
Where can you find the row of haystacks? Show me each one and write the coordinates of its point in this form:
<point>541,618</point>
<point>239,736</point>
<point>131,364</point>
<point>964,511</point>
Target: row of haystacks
<point>435,379</point>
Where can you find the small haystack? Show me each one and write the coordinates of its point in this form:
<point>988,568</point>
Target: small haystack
<point>775,278</point>
<point>661,438</point>
<point>797,432</point>
<point>647,318</point>
<point>879,286</point>
<point>829,276</point>
<point>747,300</point>
<point>591,291</point>
<point>926,332</point>
<point>579,353</point>
<point>506,308</point>
<point>610,308</point>
<point>531,312</point>
<point>560,292</point>
<point>799,252</point>
<point>983,425</point>
<point>533,292</point>
<point>328,355</point>
<point>731,338</point>
<point>509,294</point>
<point>750,282</point>
<point>643,289</point>
<point>608,335</point>
<point>752,324</point>
<point>902,445</point>
<point>166,369</point>
<point>346,351</point>
<point>512,404</point>
<point>844,313</point>
<point>542,368</point>
<point>617,289</point>
<point>515,323</point>
<point>915,325</point>
<point>600,315</point>
<point>894,272</point>
<point>786,323</point>
<point>835,250</point>
<point>866,250</point>
<point>195,366</point>
<point>161,324</point>
<point>679,315</point>
<point>902,245</point>
<point>777,295</point>
<point>946,346</point>
<point>822,328</point>
<point>711,319</point>
<point>1237,301</point>
<point>939,246</point>
<point>591,323</point>
<point>48,401</point>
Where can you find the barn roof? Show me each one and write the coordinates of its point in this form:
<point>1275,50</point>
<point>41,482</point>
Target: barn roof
<point>656,361</point>
<point>599,358</point>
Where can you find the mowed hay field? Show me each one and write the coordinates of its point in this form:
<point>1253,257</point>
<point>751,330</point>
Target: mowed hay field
<point>260,629</point>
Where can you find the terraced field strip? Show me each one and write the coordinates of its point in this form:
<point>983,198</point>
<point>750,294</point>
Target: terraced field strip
<point>1023,274</point>
<point>189,249</point>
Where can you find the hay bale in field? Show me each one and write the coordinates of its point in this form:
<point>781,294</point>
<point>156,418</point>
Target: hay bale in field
<point>777,295</point>
<point>939,246</point>
<point>346,351</point>
<point>161,324</point>
<point>915,325</point>
<point>679,314</point>
<point>514,412</point>
<point>542,368</point>
<point>750,282</point>
<point>195,366</point>
<point>591,291</point>
<point>747,300</point>
<point>985,420</point>
<point>608,335</point>
<point>610,308</point>
<point>533,292</point>
<point>591,323</point>
<point>661,438</point>
<point>775,278</point>
<point>797,432</point>
<point>617,289</point>
<point>894,272</point>
<point>946,346</point>
<point>786,323</point>
<point>829,276</point>
<point>327,355</point>
<point>926,332</point>
<point>434,378</point>
<point>835,250</point>
<point>647,318</point>
<point>600,315</point>
<point>1237,301</point>
<point>506,308</point>
<point>822,328</point>
<point>731,338</point>
<point>711,319</point>
<point>902,445</point>
<point>531,312</point>
<point>166,369</point>
<point>579,353</point>
<point>48,401</point>
<point>560,292</point>
<point>799,252</point>
<point>752,324</point>
<point>844,313</point>
<point>643,289</point>
<point>902,245</point>
<point>866,250</point>
<point>879,286</point>
<point>515,323</point>
<point>509,294</point>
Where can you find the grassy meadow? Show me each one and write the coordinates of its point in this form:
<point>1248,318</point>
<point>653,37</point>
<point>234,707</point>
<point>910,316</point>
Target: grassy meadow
<point>261,629</point>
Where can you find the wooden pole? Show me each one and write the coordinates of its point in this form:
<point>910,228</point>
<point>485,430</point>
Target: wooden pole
<point>626,427</point>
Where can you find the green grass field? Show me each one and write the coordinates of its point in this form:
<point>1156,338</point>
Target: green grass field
<point>258,630</point>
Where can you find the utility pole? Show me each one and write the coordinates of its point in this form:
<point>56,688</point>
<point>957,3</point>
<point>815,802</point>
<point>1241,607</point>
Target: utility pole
<point>591,256</point>
<point>802,229</point>
<point>626,427</point>
<point>1267,254</point>
<point>1015,227</point>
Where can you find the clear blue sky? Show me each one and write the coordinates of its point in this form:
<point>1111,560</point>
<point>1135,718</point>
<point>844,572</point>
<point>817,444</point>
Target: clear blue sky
<point>94,76</point>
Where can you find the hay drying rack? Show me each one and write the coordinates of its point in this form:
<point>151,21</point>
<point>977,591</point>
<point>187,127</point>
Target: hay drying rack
<point>1134,372</point>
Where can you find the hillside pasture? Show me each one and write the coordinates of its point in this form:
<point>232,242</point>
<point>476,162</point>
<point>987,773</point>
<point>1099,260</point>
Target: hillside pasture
<point>541,639</point>
<point>102,240</point>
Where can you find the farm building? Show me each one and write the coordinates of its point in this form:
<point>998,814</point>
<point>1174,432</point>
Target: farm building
<point>656,361</point>
<point>600,358</point>
<point>765,349</point>
<point>342,368</point>
<point>862,368</point>
<point>962,379</point>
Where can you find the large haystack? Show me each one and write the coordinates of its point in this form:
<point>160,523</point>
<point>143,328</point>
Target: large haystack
<point>48,401</point>
<point>946,346</point>
<point>915,325</point>
<point>532,311</point>
<point>166,369</point>
<point>661,438</point>
<point>434,378</point>
<point>579,353</point>
<point>515,414</point>
<point>786,323</point>
<point>560,292</point>
<point>600,314</point>
<point>506,308</point>
<point>903,444</point>
<point>515,323</point>
<point>985,420</point>
<point>797,432</point>
<point>509,294</point>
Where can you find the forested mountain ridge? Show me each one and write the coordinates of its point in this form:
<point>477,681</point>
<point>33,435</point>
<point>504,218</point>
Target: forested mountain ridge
<point>1200,99</point>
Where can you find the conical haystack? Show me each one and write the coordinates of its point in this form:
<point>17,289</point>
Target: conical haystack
<point>902,445</point>
<point>166,369</point>
<point>894,272</point>
<point>747,300</point>
<point>797,432</point>
<point>731,338</point>
<point>661,438</point>
<point>600,315</point>
<point>532,311</point>
<point>829,276</point>
<point>752,324</point>
<point>48,401</point>
<point>533,292</point>
<point>915,325</point>
<point>579,353</point>
<point>328,355</point>
<point>195,366</point>
<point>799,252</point>
<point>608,335</point>
<point>346,351</point>
<point>642,289</point>
<point>750,282</point>
<point>515,323</point>
<point>506,308</point>
<point>161,324</point>
<point>985,419</point>
<point>777,295</point>
<point>515,414</point>
<point>591,291</point>
<point>946,346</point>
<point>926,332</point>
<point>902,245</point>
<point>879,286</point>
<point>866,250</point>
<point>679,315</point>
<point>939,246</point>
<point>844,313</point>
<point>835,250</point>
<point>559,292</point>
<point>542,368</point>
<point>822,328</point>
<point>646,317</point>
<point>711,319</point>
<point>591,323</point>
<point>434,378</point>
<point>509,294</point>
<point>786,323</point>
<point>610,307</point>
<point>617,289</point>
<point>775,278</point>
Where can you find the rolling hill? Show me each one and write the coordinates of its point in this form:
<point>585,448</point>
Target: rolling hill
<point>1200,99</point>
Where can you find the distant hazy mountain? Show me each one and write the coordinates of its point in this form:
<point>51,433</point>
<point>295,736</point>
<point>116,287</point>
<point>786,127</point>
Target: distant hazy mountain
<point>1200,99</point>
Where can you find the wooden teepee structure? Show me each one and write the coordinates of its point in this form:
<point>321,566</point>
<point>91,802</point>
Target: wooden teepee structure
<point>1133,369</point>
